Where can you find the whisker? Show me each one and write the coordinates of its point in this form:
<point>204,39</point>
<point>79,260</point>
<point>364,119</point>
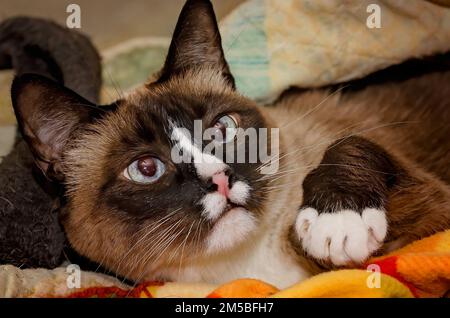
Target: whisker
<point>116,86</point>
<point>158,240</point>
<point>328,140</point>
<point>344,138</point>
<point>315,108</point>
<point>160,250</point>
<point>184,246</point>
<point>160,222</point>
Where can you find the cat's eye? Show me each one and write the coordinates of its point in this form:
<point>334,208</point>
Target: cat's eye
<point>145,170</point>
<point>226,127</point>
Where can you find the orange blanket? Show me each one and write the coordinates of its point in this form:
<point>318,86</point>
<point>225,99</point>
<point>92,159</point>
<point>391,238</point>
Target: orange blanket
<point>421,269</point>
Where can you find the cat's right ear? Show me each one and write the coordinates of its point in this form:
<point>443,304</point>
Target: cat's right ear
<point>196,43</point>
<point>48,114</point>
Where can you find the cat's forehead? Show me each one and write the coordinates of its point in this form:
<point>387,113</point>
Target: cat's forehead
<point>201,95</point>
<point>148,112</point>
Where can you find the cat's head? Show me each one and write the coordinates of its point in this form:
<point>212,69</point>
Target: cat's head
<point>131,204</point>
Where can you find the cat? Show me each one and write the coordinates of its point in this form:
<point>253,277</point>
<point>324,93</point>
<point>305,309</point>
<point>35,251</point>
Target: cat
<point>359,173</point>
<point>30,233</point>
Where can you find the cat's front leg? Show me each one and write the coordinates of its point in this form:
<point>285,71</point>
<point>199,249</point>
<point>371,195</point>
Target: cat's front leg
<point>343,217</point>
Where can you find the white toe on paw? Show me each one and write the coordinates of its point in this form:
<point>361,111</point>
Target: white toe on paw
<point>375,220</point>
<point>341,237</point>
<point>304,220</point>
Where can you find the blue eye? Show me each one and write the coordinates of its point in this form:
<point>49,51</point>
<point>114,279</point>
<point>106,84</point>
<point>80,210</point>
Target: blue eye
<point>145,170</point>
<point>227,127</point>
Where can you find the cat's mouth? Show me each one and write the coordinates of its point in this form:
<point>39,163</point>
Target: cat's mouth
<point>230,205</point>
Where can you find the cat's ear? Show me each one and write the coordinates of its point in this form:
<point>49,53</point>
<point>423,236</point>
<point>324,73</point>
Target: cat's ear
<point>196,42</point>
<point>48,114</point>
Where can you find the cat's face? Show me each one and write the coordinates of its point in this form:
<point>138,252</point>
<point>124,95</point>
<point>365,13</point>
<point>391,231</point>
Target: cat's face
<point>125,187</point>
<point>132,206</point>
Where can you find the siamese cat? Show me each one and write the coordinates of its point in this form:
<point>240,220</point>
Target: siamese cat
<point>358,173</point>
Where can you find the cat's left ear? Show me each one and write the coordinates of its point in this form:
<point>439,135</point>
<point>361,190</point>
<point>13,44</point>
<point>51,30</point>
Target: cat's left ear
<point>196,42</point>
<point>48,115</point>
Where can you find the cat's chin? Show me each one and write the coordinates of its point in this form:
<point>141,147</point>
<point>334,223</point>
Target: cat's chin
<point>230,230</point>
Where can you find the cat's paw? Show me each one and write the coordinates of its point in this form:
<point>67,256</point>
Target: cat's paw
<point>343,237</point>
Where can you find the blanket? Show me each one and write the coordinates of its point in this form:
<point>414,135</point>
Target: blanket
<point>421,269</point>
<point>272,45</point>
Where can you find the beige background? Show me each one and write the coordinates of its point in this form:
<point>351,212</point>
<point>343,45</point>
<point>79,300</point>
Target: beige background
<point>112,21</point>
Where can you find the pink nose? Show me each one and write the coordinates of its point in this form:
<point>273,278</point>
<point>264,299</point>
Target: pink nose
<point>221,179</point>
